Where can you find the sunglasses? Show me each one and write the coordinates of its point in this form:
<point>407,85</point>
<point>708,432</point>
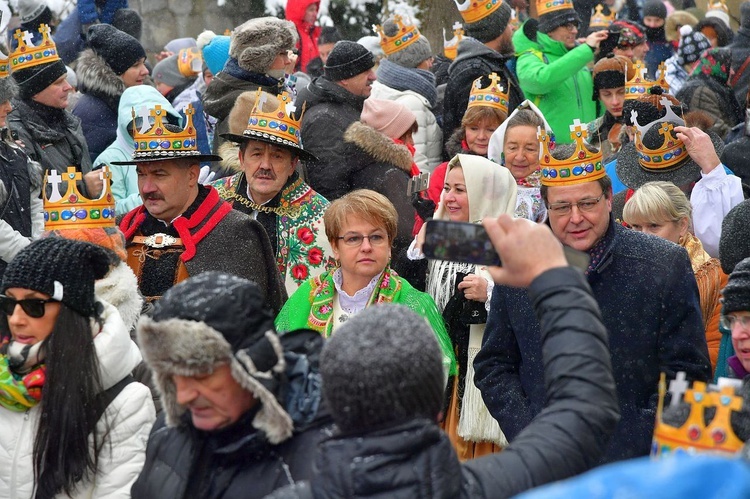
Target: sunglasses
<point>33,307</point>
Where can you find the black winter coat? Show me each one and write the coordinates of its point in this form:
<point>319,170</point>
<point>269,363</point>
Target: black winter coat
<point>740,48</point>
<point>416,459</point>
<point>330,109</point>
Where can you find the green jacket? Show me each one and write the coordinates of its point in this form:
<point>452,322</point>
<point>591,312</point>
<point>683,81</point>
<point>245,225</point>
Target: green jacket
<point>556,80</point>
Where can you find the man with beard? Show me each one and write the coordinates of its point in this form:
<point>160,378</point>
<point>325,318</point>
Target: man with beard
<point>485,49</point>
<point>183,228</point>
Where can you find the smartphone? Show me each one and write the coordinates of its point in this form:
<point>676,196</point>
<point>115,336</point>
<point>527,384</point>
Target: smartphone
<point>470,243</point>
<point>418,183</point>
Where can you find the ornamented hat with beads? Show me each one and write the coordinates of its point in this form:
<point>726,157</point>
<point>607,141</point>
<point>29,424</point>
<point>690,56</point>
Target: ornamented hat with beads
<point>582,166</point>
<point>73,210</point>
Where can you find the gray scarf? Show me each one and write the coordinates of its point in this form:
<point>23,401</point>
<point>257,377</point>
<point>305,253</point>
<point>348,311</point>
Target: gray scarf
<point>401,78</point>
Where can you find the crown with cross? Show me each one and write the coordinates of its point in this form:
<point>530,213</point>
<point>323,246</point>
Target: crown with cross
<point>450,47</point>
<point>696,435</point>
<point>190,62</point>
<point>640,85</point>
<point>28,55</point>
<point>720,5</point>
<point>548,6</point>
<point>600,20</point>
<point>582,166</point>
<point>405,36</point>
<point>493,95</point>
<point>73,210</point>
<point>156,141</point>
<point>475,10</point>
<point>672,150</point>
<point>278,125</point>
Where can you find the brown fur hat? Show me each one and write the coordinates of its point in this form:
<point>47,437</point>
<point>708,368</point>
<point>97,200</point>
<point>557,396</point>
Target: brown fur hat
<point>256,43</point>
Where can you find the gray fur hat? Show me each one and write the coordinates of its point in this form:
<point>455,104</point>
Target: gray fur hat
<point>256,43</point>
<point>382,367</point>
<point>209,320</point>
<point>8,89</point>
<point>411,56</point>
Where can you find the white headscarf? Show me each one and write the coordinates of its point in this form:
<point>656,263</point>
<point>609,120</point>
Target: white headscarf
<point>495,149</point>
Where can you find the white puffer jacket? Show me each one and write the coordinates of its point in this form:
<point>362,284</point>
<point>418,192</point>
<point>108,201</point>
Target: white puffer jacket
<point>428,141</point>
<point>131,415</point>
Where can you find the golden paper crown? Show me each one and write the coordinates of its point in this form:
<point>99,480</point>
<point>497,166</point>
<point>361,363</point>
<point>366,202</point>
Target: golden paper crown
<point>599,20</point>
<point>720,5</point>
<point>450,47</point>
<point>28,55</point>
<point>547,6</point>
<point>671,152</point>
<point>278,125</point>
<point>695,435</point>
<point>640,85</point>
<point>153,141</point>
<point>4,65</point>
<point>405,36</point>
<point>73,210</point>
<point>475,10</point>
<point>581,166</point>
<point>190,62</point>
<point>493,95</point>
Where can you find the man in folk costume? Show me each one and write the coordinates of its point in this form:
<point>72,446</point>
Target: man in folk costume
<point>184,228</point>
<point>268,188</point>
<point>645,288</point>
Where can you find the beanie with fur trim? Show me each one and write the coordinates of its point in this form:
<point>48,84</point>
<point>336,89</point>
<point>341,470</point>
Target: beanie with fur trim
<point>388,117</point>
<point>492,26</point>
<point>256,43</point>
<point>413,54</point>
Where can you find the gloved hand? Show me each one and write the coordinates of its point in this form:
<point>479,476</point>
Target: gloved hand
<point>206,176</point>
<point>425,206</point>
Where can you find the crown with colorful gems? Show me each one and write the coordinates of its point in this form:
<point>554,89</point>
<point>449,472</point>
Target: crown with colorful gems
<point>493,95</point>
<point>640,85</point>
<point>27,55</point>
<point>671,152</point>
<point>73,210</point>
<point>697,435</point>
<point>582,166</point>
<point>190,62</point>
<point>720,5</point>
<point>156,141</point>
<point>450,47</point>
<point>278,125</point>
<point>475,10</point>
<point>599,20</point>
<point>548,6</point>
<point>405,36</point>
<point>4,65</point>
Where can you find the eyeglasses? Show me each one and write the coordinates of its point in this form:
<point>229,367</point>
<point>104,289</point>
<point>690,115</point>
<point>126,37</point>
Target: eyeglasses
<point>355,240</point>
<point>728,321</point>
<point>587,204</point>
<point>570,26</point>
<point>33,307</point>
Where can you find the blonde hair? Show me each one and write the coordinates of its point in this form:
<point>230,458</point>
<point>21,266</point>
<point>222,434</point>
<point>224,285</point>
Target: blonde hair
<point>656,201</point>
<point>368,205</point>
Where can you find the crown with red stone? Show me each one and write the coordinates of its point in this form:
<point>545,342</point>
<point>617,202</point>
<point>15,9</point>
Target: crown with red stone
<point>672,150</point>
<point>73,210</point>
<point>697,435</point>
<point>582,166</point>
<point>28,55</point>
<point>548,6</point>
<point>156,141</point>
<point>493,95</point>
<point>450,47</point>
<point>278,125</point>
<point>599,20</point>
<point>405,36</point>
<point>4,65</point>
<point>475,10</point>
<point>640,85</point>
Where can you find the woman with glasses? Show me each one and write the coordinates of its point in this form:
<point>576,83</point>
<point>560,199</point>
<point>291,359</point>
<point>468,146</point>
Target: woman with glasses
<point>361,227</point>
<point>73,421</point>
<point>474,188</point>
<point>736,317</point>
<point>662,209</point>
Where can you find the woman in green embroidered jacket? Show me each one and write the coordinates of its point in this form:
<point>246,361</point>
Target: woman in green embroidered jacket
<point>361,227</point>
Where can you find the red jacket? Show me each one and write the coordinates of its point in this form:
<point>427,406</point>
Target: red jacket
<point>307,46</point>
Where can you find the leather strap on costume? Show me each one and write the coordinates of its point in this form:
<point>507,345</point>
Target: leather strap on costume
<point>154,247</point>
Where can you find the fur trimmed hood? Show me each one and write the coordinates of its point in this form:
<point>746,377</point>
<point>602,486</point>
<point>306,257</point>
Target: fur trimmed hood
<point>97,79</point>
<point>379,146</point>
<point>188,348</point>
<point>230,153</point>
<point>120,288</point>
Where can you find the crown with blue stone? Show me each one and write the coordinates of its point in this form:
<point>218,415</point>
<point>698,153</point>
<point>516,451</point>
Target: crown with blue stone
<point>640,85</point>
<point>27,55</point>
<point>4,65</point>
<point>493,95</point>
<point>278,125</point>
<point>582,166</point>
<point>73,210</point>
<point>697,434</point>
<point>154,141</point>
<point>672,151</point>
<point>450,47</point>
<point>405,36</point>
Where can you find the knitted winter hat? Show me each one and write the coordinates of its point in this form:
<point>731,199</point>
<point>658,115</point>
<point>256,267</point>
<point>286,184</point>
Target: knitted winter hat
<point>61,268</point>
<point>382,367</point>
<point>329,34</point>
<point>719,14</point>
<point>128,21</point>
<point>109,238</point>
<point>256,43</point>
<point>490,27</point>
<point>347,59</point>
<point>215,49</point>
<point>388,117</point>
<point>692,43</point>
<point>33,80</point>
<point>167,71</point>
<point>655,8</point>
<point>8,89</point>
<point>413,54</point>
<point>119,50</point>
<point>736,294</point>
<point>29,10</point>
<point>553,20</point>
<point>734,245</point>
<point>213,319</point>
<point>612,72</point>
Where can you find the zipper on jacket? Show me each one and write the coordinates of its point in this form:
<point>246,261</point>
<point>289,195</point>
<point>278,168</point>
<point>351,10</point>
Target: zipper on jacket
<point>578,94</point>
<point>14,463</point>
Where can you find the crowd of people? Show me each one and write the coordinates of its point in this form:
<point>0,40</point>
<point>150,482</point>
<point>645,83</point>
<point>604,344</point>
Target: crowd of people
<point>214,270</point>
